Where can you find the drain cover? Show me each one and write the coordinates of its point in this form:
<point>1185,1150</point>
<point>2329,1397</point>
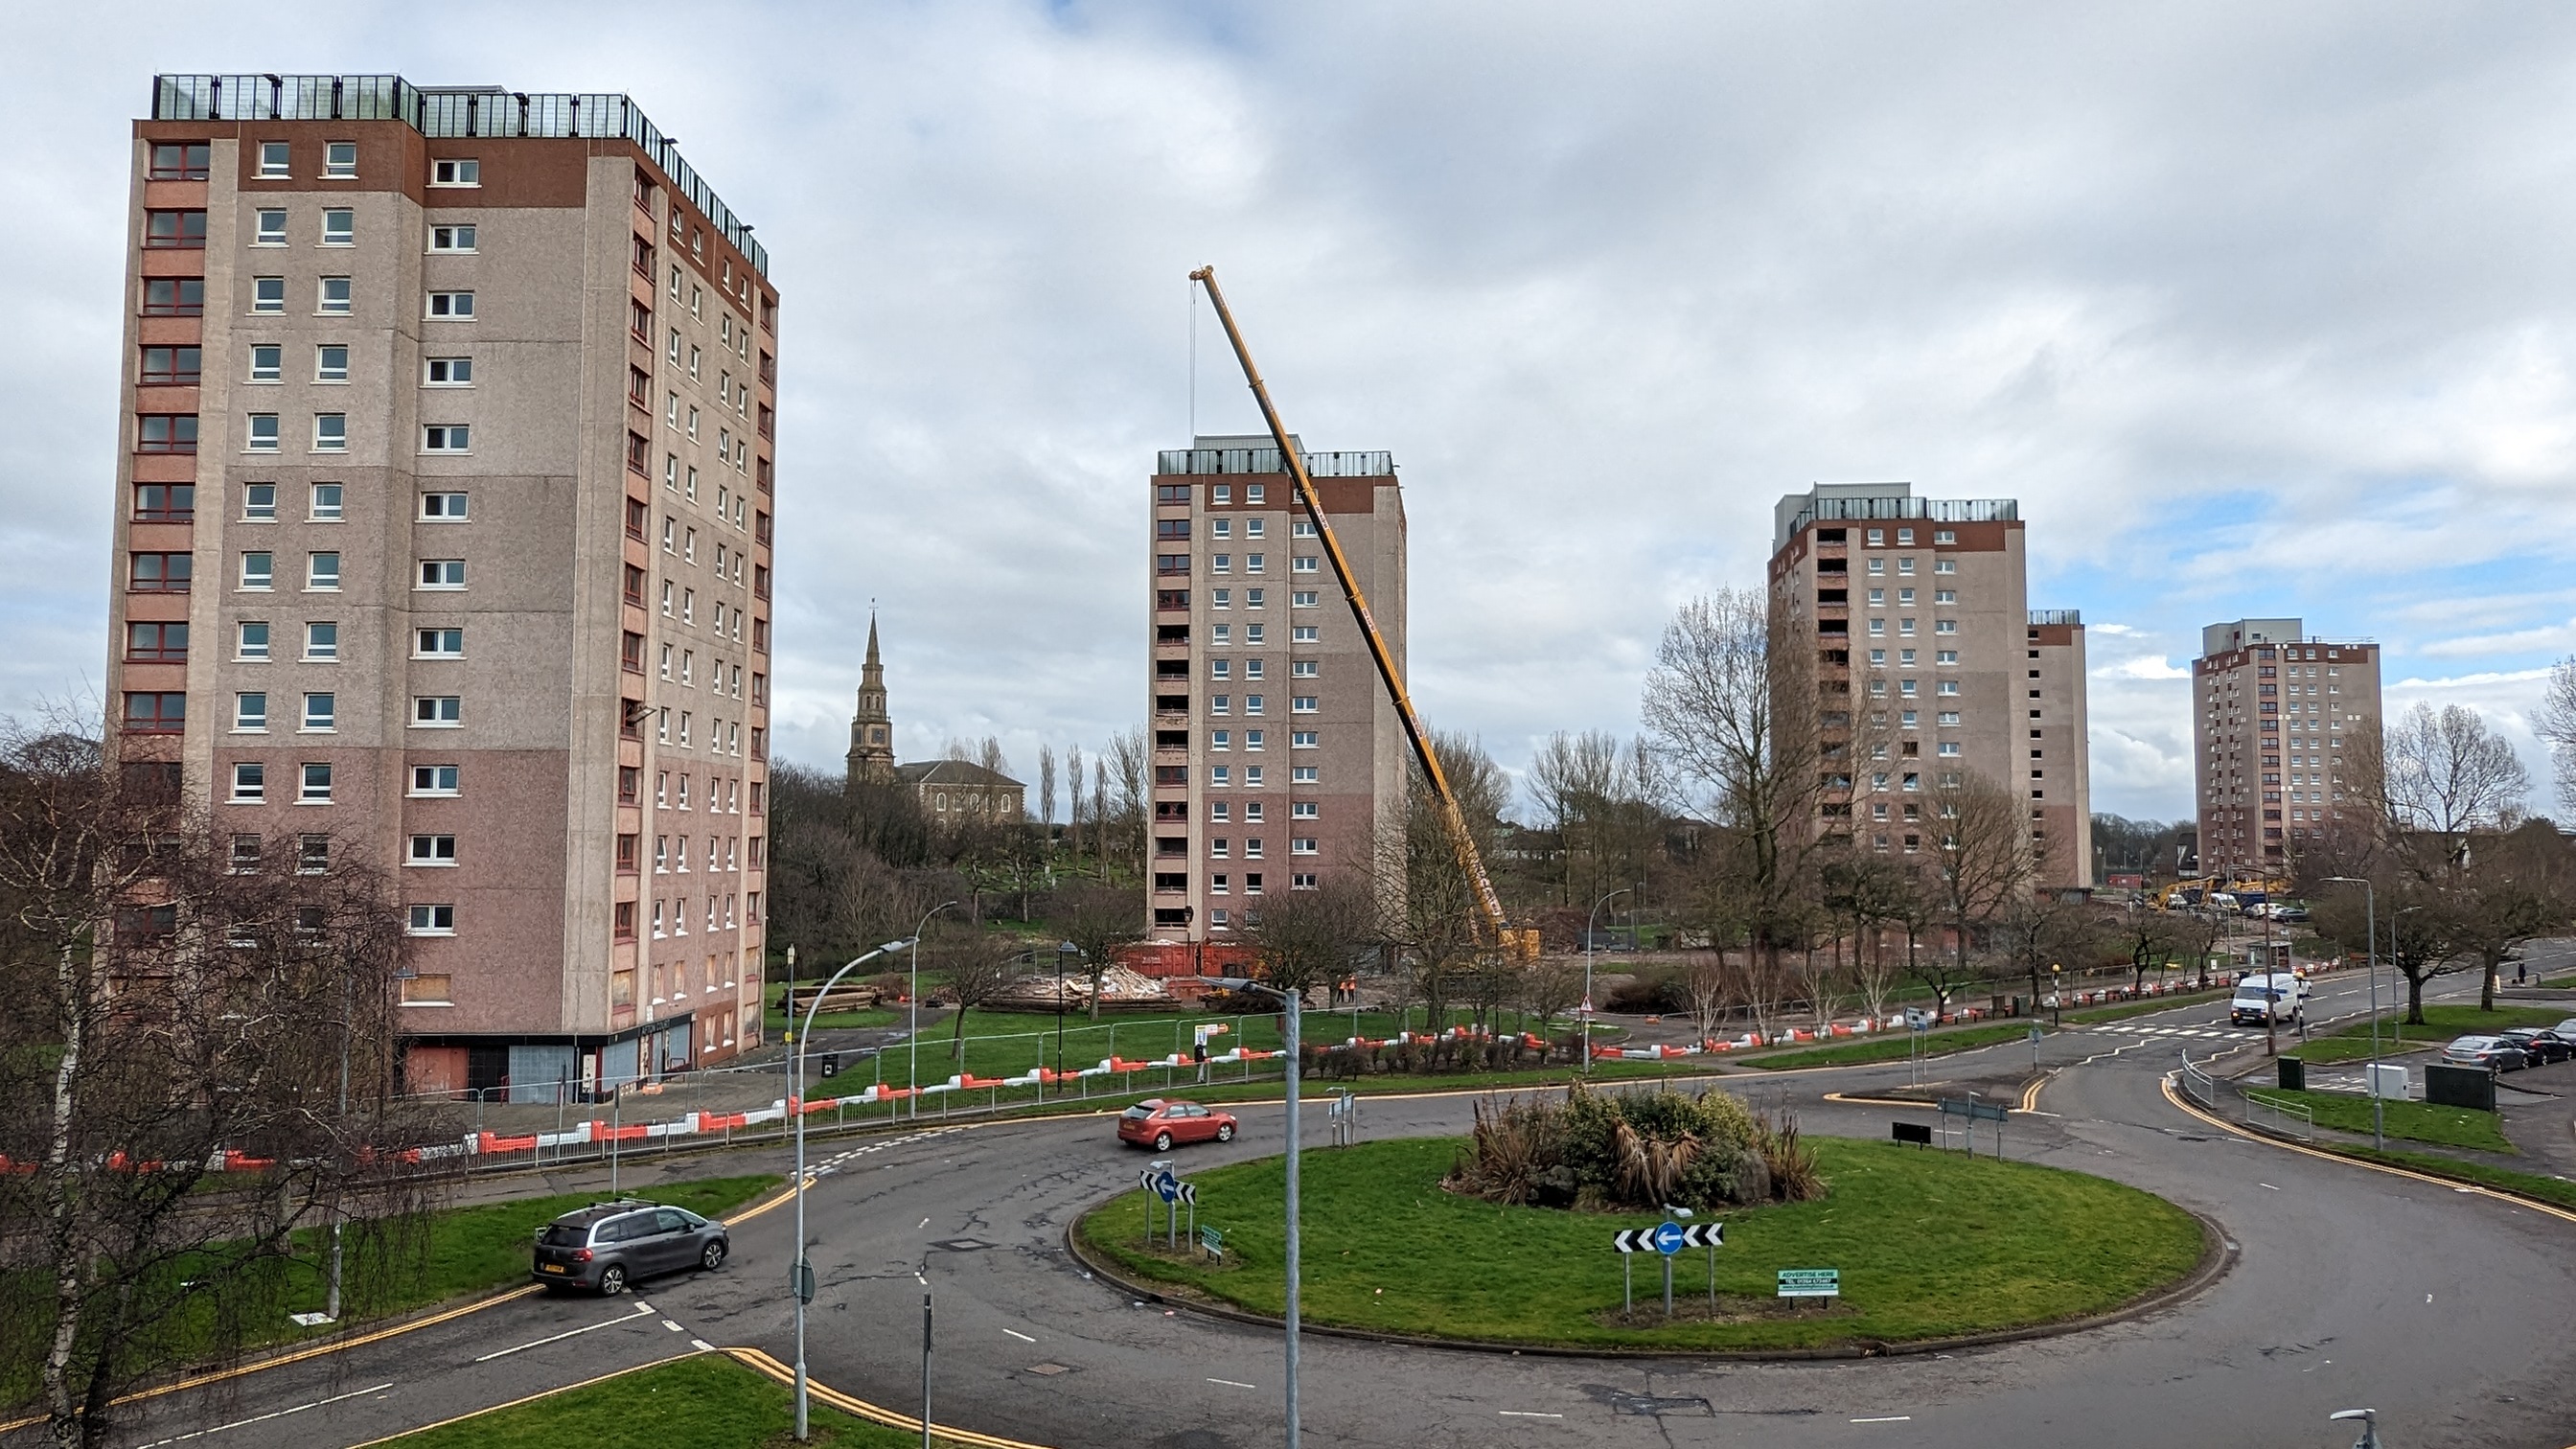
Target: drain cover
<point>961,1245</point>
<point>1658,1407</point>
<point>1050,1370</point>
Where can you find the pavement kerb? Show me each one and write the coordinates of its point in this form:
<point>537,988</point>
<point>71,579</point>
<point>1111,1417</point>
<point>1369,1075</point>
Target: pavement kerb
<point>2437,1179</point>
<point>2217,1254</point>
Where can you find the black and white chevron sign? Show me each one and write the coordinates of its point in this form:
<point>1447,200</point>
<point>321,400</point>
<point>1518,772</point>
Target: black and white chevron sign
<point>1693,1235</point>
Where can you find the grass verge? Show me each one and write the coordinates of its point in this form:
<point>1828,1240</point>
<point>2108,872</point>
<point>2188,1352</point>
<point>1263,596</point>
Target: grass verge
<point>1894,1047</point>
<point>2414,1121</point>
<point>2147,1007</point>
<point>2441,1024</point>
<point>2531,1184</point>
<point>704,1401</point>
<point>1929,1245</point>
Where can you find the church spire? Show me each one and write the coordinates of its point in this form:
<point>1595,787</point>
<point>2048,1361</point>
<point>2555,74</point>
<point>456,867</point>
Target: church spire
<point>871,758</point>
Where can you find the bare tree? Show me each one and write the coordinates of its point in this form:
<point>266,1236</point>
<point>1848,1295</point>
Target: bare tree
<point>2039,932</point>
<point>978,964</point>
<point>1131,766</point>
<point>1073,805</point>
<point>1098,919</point>
<point>1983,855</point>
<point>1046,787</point>
<point>1102,835</point>
<point>1710,986</point>
<point>1426,904</point>
<point>167,997</point>
<point>2445,774</point>
<point>2555,723</point>
<point>1311,937</point>
<point>1549,987</point>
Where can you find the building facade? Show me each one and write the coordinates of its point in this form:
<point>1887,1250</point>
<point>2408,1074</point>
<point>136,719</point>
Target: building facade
<point>2273,710</point>
<point>1276,751</point>
<point>871,758</point>
<point>443,542</point>
<point>1930,665</point>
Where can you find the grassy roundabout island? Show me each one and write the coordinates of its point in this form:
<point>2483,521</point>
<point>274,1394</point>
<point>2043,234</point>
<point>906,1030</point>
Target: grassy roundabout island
<point>1930,1245</point>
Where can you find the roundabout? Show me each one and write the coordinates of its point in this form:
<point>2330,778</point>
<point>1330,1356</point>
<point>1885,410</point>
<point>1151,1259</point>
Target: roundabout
<point>1930,1248</point>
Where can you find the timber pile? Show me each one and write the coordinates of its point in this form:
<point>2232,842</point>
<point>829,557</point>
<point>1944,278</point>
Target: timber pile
<point>1120,990</point>
<point>798,1000</point>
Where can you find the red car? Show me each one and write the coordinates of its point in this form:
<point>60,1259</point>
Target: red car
<point>1158,1124</point>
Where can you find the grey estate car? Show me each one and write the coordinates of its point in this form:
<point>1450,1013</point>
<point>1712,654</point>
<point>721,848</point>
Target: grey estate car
<point>608,1245</point>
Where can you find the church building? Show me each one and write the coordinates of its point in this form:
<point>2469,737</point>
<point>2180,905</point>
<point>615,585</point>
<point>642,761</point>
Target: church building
<point>951,792</point>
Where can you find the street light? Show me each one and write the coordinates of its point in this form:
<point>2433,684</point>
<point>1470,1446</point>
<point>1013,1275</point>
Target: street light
<point>801,1274</point>
<point>2369,1426</point>
<point>914,1036</point>
<point>1295,1001</point>
<point>1587,973</point>
<point>2370,926</point>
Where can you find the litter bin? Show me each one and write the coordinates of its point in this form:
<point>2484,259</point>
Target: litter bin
<point>2294,1075</point>
<point>831,1064</point>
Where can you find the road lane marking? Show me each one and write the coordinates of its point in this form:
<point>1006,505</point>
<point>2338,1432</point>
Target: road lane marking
<point>1231,1384</point>
<point>1888,1419</point>
<point>642,1310</point>
<point>675,1328</point>
<point>264,1418</point>
<point>701,1345</point>
<point>1022,1337</point>
<point>2267,1185</point>
<point>1526,1414</point>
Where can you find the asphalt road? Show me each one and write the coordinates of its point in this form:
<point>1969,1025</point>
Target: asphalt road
<point>2445,1311</point>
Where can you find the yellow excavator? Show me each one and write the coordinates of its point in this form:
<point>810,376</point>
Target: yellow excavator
<point>1517,943</point>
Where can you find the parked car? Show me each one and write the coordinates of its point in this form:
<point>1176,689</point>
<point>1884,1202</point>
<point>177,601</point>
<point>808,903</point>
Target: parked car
<point>1158,1124</point>
<point>609,1245</point>
<point>2566,1028</point>
<point>2544,1046</point>
<point>2487,1051</point>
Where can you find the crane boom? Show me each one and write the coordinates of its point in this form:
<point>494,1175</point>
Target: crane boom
<point>1451,816</point>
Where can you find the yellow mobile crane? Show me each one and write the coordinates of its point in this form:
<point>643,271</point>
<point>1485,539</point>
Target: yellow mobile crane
<point>1516,943</point>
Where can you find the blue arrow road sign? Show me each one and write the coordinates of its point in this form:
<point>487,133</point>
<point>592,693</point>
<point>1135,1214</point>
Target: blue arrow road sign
<point>1166,1186</point>
<point>1668,1239</point>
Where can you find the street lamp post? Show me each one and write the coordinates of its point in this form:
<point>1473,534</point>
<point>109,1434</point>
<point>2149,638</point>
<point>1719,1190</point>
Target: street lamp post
<point>913,1037</point>
<point>1295,1002</point>
<point>800,1273</point>
<point>1587,973</point>
<point>2370,927</point>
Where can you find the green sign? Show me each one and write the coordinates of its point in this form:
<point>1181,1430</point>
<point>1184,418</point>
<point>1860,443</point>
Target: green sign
<point>1212,1241</point>
<point>1811,1283</point>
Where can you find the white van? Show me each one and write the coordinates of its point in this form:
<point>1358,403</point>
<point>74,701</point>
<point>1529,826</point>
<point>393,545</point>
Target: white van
<point>2277,997</point>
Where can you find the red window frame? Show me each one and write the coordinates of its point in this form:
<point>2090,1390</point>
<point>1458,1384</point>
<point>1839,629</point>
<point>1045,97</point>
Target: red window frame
<point>171,367</point>
<point>178,304</point>
<point>175,230</point>
<point>159,577</point>
<point>635,583</point>
<point>639,453</point>
<point>640,322</point>
<point>639,387</point>
<point>159,649</point>
<point>637,516</point>
<point>155,712</point>
<point>643,258</point>
<point>193,161</point>
<point>631,653</point>
<point>165,502</point>
<point>165,432</point>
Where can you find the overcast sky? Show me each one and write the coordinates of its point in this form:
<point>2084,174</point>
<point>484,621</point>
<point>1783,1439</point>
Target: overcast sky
<point>2257,310</point>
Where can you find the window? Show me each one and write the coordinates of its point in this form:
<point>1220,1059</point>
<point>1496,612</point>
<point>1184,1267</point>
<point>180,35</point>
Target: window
<point>250,640</point>
<point>1303,564</point>
<point>331,364</point>
<point>439,644</point>
<point>250,782</point>
<point>448,372</point>
<point>339,227</point>
<point>442,573</point>
<point>186,296</point>
<point>442,508</point>
<point>316,788</point>
<point>1304,774</point>
<point>160,573</point>
<point>334,297</point>
<point>176,366</point>
<point>1302,739</point>
<point>430,850</point>
<point>446,438</point>
<point>1305,634</point>
<point>250,711</point>
<point>1301,704</point>
<point>433,779</point>
<point>330,432</point>
<point>258,569</point>
<point>155,713</point>
<point>322,571</point>
<point>1302,810</point>
<point>321,712</point>
<point>321,641</point>
<point>1301,598</point>
<point>156,642</point>
<point>1303,669</point>
<point>165,433</point>
<point>267,294</point>
<point>451,238</point>
<point>451,305</point>
<point>1301,845</point>
<point>1945,566</point>
<point>340,158</point>
<point>437,711</point>
<point>174,230</point>
<point>461,171</point>
<point>179,160</point>
<point>1947,717</point>
<point>437,920</point>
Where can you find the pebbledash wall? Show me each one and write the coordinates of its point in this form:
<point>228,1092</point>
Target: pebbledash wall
<point>1275,748</point>
<point>445,496</point>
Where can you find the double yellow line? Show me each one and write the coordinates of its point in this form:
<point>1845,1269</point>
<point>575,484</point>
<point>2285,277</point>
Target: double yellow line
<point>861,1408</point>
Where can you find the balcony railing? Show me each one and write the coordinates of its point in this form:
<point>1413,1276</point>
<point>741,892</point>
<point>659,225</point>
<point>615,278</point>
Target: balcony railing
<point>2039,617</point>
<point>445,112</point>
<point>1266,460</point>
<point>1933,510</point>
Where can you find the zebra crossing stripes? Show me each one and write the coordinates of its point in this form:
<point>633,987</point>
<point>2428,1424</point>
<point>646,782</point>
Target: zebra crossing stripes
<point>2129,1029</point>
